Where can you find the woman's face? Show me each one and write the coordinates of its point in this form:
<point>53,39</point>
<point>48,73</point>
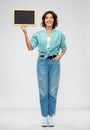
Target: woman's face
<point>49,20</point>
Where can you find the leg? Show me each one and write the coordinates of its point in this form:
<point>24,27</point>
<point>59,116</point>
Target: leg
<point>42,75</point>
<point>54,77</point>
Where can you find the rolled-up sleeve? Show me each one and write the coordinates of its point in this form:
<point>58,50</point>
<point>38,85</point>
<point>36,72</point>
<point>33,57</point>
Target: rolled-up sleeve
<point>63,45</point>
<point>34,40</point>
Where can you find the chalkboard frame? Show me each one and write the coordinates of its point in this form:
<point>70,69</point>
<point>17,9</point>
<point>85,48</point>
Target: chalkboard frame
<point>24,10</point>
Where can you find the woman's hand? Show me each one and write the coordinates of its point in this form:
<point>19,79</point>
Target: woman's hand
<point>57,58</point>
<point>24,27</point>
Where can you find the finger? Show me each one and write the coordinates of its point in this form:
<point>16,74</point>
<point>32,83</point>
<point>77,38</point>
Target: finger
<point>26,25</point>
<point>22,26</point>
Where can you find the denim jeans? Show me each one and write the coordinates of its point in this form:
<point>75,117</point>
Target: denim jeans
<point>48,75</point>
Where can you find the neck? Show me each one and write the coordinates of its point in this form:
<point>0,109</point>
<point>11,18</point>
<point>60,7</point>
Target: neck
<point>49,29</point>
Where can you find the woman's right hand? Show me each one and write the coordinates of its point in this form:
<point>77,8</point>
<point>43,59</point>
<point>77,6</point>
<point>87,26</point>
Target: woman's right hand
<point>24,27</point>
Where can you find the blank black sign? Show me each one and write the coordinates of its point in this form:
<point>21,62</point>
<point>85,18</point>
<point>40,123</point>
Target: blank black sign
<point>24,17</point>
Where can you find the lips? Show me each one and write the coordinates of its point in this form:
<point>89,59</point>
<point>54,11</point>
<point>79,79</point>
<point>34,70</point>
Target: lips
<point>49,22</point>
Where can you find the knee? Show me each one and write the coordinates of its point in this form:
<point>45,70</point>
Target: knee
<point>44,97</point>
<point>53,93</point>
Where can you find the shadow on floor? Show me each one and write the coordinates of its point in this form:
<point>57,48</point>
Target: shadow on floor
<point>38,127</point>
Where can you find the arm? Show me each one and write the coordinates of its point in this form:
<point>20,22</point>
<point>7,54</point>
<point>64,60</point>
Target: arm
<point>63,47</point>
<point>28,43</point>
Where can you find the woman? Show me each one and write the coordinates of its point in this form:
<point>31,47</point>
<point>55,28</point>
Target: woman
<point>49,42</point>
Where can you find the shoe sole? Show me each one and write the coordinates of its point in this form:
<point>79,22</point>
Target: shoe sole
<point>44,125</point>
<point>50,125</point>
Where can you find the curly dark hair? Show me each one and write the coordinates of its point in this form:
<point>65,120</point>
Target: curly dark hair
<point>55,24</point>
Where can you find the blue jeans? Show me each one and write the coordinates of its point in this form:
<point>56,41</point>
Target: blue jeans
<point>48,75</point>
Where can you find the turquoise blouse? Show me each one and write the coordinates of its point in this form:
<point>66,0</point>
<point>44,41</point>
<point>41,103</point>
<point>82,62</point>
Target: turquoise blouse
<point>57,42</point>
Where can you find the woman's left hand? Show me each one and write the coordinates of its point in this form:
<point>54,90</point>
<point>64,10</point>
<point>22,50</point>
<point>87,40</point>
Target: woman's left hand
<point>57,58</point>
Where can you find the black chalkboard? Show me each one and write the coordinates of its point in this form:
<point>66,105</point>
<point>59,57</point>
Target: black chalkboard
<point>24,16</point>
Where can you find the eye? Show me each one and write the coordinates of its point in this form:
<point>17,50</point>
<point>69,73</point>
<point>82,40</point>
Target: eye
<point>51,17</point>
<point>46,17</point>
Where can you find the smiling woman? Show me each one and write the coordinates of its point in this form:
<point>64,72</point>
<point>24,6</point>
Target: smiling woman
<point>50,51</point>
<point>49,17</point>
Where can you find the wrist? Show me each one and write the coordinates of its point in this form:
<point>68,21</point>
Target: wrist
<point>25,32</point>
<point>60,56</point>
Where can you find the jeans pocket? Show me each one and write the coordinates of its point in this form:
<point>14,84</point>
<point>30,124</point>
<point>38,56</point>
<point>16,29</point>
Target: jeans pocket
<point>40,58</point>
<point>56,60</point>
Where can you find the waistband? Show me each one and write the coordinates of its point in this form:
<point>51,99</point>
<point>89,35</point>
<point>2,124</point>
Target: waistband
<point>49,57</point>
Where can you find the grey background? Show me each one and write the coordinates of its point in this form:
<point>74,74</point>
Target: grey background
<point>18,81</point>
